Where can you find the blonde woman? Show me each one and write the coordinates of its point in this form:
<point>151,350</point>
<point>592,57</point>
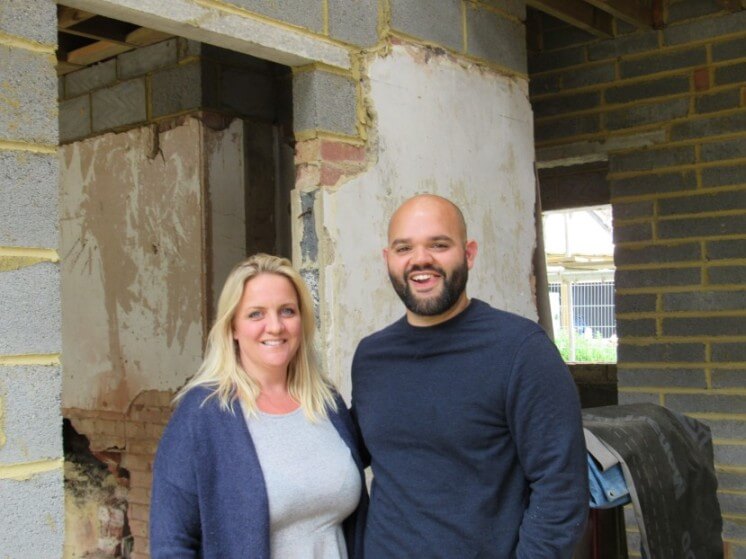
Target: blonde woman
<point>259,459</point>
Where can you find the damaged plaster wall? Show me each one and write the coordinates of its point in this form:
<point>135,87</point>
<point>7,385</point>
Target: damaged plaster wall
<point>442,127</point>
<point>133,239</point>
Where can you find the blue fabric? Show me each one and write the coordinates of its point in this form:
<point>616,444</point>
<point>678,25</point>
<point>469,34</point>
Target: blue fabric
<point>474,434</point>
<point>607,487</point>
<point>209,499</point>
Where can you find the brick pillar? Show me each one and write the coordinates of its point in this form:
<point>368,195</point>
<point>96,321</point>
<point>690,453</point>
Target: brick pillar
<point>30,419</point>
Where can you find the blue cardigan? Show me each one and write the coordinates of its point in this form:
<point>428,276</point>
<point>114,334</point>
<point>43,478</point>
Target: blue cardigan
<point>209,499</point>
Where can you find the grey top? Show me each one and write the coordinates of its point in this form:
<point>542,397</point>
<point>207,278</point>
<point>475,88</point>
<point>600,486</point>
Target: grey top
<point>312,484</point>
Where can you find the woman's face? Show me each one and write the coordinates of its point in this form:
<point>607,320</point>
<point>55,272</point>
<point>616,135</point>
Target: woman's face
<point>267,325</point>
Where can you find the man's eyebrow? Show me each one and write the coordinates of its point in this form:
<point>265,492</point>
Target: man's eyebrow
<point>430,239</point>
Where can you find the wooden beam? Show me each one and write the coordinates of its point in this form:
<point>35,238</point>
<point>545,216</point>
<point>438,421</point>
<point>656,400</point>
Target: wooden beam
<point>96,52</point>
<point>64,67</point>
<point>631,11</point>
<point>578,14</point>
<point>67,17</point>
<point>733,5</point>
<point>142,37</point>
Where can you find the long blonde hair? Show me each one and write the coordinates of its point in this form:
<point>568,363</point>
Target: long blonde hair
<point>221,368</point>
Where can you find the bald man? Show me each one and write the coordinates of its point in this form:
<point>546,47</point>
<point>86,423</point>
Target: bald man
<point>470,417</point>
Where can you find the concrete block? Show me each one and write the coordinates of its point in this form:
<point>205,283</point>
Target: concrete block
<point>303,13</point>
<point>732,455</point>
<point>735,529</point>
<point>718,250</point>
<point>727,274</point>
<point>437,22</point>
<point>541,85</point>
<point>728,149</point>
<point>186,48</point>
<point>119,105</point>
<point>28,199</point>
<point>560,104</point>
<point>707,202</point>
<point>718,101</point>
<point>701,29</point>
<point>726,176</point>
<point>248,93</point>
<point>727,378</point>
<point>354,21</point>
<point>727,480</point>
<point>650,159</point>
<point>658,254</point>
<point>565,37</point>
<point>632,210</point>
<point>660,277</point>
<point>324,101</point>
<point>35,20</point>
<point>36,526</point>
<point>515,8</point>
<point>633,233</point>
<point>704,326</point>
<point>705,403</point>
<point>637,398</point>
<point>690,9</point>
<point>146,59</point>
<point>680,378</point>
<point>660,353</point>
<point>705,301</point>
<point>654,183</point>
<point>642,115</point>
<point>702,227</point>
<point>29,94</point>
<point>710,126</point>
<point>663,62</point>
<point>648,89</point>
<point>623,46</point>
<point>734,73</point>
<point>638,303</point>
<point>546,61</point>
<point>176,89</point>
<point>496,38</point>
<point>729,49</point>
<point>588,75</point>
<point>90,78</point>
<point>640,327</point>
<point>565,127</point>
<point>30,307</point>
<point>725,428</point>
<point>32,421</point>
<point>75,118</point>
<point>725,352</point>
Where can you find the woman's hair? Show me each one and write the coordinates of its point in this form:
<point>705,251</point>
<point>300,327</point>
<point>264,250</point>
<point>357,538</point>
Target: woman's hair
<point>221,368</point>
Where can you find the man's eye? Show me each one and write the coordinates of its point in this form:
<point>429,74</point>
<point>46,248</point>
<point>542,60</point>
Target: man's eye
<point>401,249</point>
<point>440,245</point>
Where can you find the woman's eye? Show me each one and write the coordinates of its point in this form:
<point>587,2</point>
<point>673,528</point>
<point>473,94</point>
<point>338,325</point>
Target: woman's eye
<point>288,312</point>
<point>255,315</point>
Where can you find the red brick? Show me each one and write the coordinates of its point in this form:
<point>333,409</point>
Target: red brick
<point>150,414</point>
<point>139,555</point>
<point>142,545</point>
<point>141,479</point>
<point>138,462</point>
<point>139,528</point>
<point>139,495</point>
<point>306,176</point>
<point>701,79</point>
<point>339,151</point>
<point>138,511</point>
<point>307,152</point>
<point>330,175</point>
<point>142,446</point>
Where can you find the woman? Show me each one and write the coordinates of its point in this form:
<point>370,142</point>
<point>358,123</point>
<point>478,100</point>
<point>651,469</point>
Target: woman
<point>259,459</point>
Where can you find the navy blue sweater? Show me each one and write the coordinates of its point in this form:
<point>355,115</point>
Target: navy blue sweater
<point>209,499</point>
<point>474,433</point>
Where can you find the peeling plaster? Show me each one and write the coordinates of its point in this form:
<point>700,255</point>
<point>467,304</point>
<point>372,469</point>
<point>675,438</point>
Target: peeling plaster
<point>442,126</point>
<point>132,253</point>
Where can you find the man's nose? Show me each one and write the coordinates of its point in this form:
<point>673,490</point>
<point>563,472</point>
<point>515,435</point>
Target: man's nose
<point>421,256</point>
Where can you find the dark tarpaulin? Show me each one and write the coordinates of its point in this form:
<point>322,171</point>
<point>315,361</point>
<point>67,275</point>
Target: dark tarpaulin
<point>667,461</point>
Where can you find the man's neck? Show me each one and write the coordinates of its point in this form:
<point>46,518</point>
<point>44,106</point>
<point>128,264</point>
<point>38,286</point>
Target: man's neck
<point>422,321</point>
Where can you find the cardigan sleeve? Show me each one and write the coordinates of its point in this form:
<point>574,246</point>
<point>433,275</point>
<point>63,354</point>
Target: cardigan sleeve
<point>174,509</point>
<point>544,417</point>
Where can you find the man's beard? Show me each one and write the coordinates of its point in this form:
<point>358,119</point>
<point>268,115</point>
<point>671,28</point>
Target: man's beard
<point>453,286</point>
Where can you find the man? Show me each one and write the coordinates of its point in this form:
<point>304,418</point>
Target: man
<point>470,417</point>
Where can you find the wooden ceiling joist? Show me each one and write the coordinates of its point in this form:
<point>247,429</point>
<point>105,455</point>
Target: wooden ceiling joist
<point>578,14</point>
<point>631,11</point>
<point>67,17</point>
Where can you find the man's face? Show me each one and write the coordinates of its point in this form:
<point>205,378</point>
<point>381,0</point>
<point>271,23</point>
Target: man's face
<point>428,257</point>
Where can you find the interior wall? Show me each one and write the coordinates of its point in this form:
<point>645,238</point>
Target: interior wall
<point>444,127</point>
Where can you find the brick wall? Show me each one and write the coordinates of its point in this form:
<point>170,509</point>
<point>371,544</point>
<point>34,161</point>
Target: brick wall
<point>30,376</point>
<point>668,110</point>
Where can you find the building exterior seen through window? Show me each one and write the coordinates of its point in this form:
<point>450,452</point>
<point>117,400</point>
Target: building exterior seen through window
<point>580,268</point>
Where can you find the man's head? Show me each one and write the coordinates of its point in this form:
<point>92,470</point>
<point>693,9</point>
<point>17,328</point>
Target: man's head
<point>429,258</point>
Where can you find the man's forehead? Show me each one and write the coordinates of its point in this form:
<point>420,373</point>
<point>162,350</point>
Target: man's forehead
<point>428,215</point>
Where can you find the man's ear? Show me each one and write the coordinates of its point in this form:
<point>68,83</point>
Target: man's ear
<point>471,253</point>
<point>385,254</point>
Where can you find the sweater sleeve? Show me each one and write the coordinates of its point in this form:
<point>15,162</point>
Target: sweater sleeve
<point>174,509</point>
<point>545,421</point>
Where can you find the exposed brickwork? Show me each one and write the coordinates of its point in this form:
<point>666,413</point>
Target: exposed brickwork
<point>129,441</point>
<point>327,162</point>
<point>679,209</point>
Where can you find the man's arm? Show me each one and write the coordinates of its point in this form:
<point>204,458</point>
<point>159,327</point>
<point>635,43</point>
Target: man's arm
<point>544,417</point>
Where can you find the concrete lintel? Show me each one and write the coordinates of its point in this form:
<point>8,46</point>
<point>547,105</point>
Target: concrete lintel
<point>223,29</point>
<point>588,152</point>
